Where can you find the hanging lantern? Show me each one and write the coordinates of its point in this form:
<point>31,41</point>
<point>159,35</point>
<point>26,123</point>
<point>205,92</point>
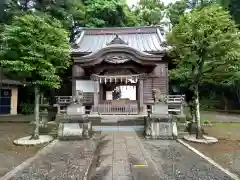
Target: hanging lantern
<point>105,80</point>
<point>100,80</point>
<point>110,79</point>
<point>115,80</point>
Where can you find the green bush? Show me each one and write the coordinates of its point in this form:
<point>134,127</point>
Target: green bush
<point>204,121</point>
<point>26,108</point>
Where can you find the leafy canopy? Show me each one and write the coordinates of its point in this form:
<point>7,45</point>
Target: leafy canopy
<point>177,9</point>
<point>150,12</point>
<point>206,47</point>
<point>108,13</point>
<point>36,47</point>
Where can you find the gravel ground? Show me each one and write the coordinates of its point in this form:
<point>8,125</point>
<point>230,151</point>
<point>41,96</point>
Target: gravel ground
<point>179,163</point>
<point>220,117</point>
<point>227,151</point>
<point>66,160</point>
<point>11,154</point>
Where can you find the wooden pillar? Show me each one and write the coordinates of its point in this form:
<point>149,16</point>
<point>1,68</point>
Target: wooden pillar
<point>96,97</point>
<point>73,87</point>
<point>141,104</point>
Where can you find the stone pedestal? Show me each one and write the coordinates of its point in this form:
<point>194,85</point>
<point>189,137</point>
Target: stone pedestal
<point>75,125</point>
<point>160,125</point>
<point>160,109</point>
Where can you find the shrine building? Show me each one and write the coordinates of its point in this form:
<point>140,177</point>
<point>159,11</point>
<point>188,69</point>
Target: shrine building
<point>117,68</point>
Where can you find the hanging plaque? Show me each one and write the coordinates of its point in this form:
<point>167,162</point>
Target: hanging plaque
<point>117,59</point>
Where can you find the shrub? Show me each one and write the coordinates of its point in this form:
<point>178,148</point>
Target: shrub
<point>26,108</point>
<point>205,121</point>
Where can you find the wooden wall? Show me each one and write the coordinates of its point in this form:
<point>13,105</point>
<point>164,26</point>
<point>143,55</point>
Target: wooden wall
<point>158,79</point>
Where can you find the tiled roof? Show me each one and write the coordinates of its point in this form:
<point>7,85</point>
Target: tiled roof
<point>144,39</point>
<point>6,81</point>
<point>10,82</point>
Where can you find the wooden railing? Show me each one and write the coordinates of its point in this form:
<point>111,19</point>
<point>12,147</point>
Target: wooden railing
<point>118,107</point>
<point>63,99</point>
<point>87,99</point>
<point>175,99</point>
<point>175,104</point>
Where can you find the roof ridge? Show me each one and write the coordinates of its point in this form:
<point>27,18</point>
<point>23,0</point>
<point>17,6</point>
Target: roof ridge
<point>130,27</point>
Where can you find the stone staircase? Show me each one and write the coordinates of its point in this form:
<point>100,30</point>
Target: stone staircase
<point>117,123</point>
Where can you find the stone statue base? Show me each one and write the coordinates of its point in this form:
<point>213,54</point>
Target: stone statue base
<point>75,125</point>
<point>75,130</point>
<point>160,127</point>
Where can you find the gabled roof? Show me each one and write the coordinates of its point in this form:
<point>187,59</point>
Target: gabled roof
<point>143,39</point>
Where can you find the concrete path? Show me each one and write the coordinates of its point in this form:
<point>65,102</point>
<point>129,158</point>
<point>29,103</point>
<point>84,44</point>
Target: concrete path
<point>121,157</point>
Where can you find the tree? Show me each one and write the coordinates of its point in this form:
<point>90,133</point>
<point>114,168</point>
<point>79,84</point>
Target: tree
<point>234,8</point>
<point>150,12</point>
<point>71,13</point>
<point>36,47</point>
<point>176,10</point>
<point>207,45</point>
<point>108,13</point>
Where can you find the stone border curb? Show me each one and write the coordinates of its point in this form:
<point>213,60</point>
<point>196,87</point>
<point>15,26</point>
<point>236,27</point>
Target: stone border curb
<point>147,155</point>
<point>233,176</point>
<point>92,160</point>
<point>27,162</point>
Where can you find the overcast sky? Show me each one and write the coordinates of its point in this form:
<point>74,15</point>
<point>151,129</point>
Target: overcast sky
<point>132,2</point>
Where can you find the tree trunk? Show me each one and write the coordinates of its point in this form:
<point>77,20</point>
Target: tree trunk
<point>199,134</point>
<point>225,100</point>
<point>36,113</point>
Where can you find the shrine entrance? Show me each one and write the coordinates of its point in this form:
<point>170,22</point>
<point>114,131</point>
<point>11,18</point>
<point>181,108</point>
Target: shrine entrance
<point>118,94</point>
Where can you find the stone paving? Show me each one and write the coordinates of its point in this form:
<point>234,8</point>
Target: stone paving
<point>122,157</point>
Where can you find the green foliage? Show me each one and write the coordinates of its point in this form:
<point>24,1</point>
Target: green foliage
<point>108,13</point>
<point>206,47</point>
<point>37,48</point>
<point>150,12</point>
<point>205,121</point>
<point>26,108</point>
<point>176,10</point>
<point>233,6</point>
<point>69,12</point>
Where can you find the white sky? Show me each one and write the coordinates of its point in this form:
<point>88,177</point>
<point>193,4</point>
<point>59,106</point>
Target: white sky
<point>133,2</point>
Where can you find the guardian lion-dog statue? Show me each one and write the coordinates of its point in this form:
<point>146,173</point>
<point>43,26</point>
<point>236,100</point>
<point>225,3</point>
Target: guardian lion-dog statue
<point>158,96</point>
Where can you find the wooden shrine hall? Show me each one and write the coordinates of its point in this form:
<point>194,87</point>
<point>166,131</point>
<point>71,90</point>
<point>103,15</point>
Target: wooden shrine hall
<point>117,68</point>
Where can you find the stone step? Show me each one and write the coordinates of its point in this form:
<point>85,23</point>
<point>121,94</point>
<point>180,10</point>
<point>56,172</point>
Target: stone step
<point>118,128</point>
